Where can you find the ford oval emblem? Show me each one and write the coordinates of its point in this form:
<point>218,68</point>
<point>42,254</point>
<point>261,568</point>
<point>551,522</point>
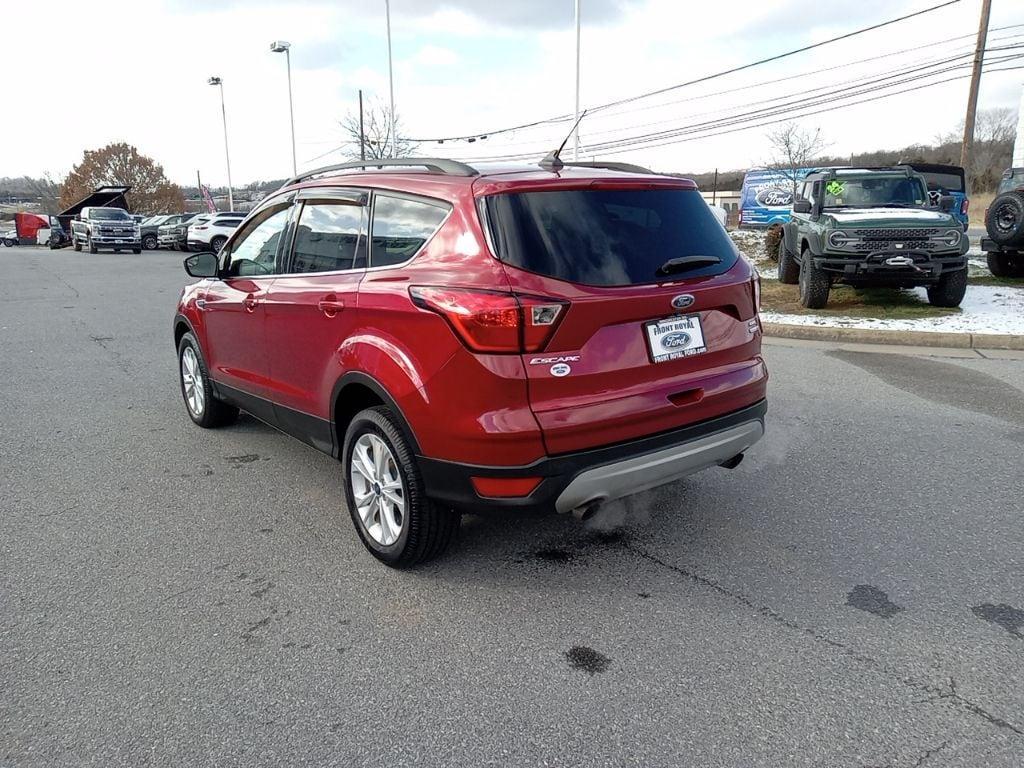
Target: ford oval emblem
<point>774,197</point>
<point>683,300</point>
<point>675,340</point>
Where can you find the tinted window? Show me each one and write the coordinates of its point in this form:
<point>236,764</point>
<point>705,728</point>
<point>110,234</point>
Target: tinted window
<point>329,237</point>
<point>401,227</point>
<point>607,237</point>
<point>254,251</point>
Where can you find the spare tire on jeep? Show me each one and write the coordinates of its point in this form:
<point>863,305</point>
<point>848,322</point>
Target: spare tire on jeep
<point>1004,219</point>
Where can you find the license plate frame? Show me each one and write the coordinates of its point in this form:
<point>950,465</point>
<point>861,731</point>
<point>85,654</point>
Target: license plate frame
<point>684,335</point>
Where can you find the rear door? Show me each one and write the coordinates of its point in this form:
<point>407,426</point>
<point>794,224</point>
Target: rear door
<point>657,327</point>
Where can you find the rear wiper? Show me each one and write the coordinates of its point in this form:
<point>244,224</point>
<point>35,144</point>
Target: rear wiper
<point>686,263</point>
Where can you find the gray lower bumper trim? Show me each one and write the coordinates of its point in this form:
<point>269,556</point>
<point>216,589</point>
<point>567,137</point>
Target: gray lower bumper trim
<point>613,481</point>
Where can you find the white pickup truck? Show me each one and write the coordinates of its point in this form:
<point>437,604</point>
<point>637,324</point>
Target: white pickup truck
<point>110,228</point>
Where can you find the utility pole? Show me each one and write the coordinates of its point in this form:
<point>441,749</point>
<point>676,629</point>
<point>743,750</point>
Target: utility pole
<point>199,183</point>
<point>972,96</point>
<point>391,82</point>
<point>714,190</point>
<point>576,130</point>
<point>362,136</point>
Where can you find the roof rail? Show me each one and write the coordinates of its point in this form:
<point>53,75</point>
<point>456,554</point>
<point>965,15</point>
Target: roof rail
<point>432,164</point>
<point>611,166</point>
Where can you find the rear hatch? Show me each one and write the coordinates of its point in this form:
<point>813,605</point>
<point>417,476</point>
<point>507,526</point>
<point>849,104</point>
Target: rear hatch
<point>650,309</point>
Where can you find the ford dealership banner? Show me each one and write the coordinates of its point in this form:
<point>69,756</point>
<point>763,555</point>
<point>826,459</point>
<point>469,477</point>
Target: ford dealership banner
<point>767,197</point>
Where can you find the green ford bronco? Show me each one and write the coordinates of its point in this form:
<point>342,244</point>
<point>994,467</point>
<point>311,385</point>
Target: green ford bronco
<point>872,227</point>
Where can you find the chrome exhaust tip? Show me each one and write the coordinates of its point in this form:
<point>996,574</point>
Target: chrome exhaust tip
<point>584,512</point>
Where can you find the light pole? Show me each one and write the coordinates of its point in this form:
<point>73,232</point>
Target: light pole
<point>576,145</point>
<point>282,46</point>
<point>391,80</point>
<point>227,157</point>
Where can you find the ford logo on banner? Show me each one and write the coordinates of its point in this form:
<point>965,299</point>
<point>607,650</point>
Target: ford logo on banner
<point>774,198</point>
<point>675,340</point>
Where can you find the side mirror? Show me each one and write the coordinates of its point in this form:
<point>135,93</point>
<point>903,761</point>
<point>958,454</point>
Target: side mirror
<point>947,203</point>
<point>202,264</point>
<point>802,206</point>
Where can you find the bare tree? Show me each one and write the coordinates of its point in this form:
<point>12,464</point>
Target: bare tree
<point>383,135</point>
<point>994,132</point>
<point>793,148</point>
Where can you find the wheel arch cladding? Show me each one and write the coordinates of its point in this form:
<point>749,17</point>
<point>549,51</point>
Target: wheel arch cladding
<point>181,327</point>
<point>355,392</point>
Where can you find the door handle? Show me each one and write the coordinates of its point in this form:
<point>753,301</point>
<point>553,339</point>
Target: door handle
<point>330,305</point>
<point>250,302</point>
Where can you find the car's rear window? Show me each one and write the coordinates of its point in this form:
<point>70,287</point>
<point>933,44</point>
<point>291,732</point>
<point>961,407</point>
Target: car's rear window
<point>607,237</point>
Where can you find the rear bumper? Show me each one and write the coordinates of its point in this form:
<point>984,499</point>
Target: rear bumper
<point>991,246</point>
<point>612,472</point>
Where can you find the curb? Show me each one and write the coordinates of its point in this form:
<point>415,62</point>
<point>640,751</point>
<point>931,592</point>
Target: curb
<point>909,338</point>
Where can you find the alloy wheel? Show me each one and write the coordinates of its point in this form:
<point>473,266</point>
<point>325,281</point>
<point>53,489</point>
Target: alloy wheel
<point>192,382</point>
<point>377,489</point>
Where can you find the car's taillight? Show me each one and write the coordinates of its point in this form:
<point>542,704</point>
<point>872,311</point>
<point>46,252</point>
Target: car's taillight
<point>493,321</point>
<point>964,206</point>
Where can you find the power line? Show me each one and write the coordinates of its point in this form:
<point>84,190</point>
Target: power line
<point>839,92</point>
<point>755,119</point>
<point>705,78</point>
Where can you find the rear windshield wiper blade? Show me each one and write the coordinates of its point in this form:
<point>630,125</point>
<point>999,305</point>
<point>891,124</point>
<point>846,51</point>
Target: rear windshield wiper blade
<point>686,263</point>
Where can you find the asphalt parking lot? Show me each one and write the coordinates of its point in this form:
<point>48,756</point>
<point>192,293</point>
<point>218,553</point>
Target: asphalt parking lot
<point>851,595</point>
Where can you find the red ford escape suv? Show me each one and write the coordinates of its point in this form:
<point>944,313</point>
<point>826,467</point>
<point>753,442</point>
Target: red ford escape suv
<point>542,337</point>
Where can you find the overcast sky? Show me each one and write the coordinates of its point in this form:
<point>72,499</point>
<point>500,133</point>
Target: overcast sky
<point>78,75</point>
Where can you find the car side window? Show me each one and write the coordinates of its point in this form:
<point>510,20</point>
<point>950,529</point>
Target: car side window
<point>401,227</point>
<point>254,252</point>
<point>330,237</point>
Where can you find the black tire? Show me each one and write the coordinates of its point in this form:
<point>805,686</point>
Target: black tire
<point>136,251</point>
<point>149,242</point>
<point>789,270</point>
<point>950,289</point>
<point>77,245</point>
<point>1006,264</point>
<point>427,528</point>
<point>217,243</point>
<point>814,283</point>
<point>92,247</point>
<point>1004,219</point>
<point>214,413</point>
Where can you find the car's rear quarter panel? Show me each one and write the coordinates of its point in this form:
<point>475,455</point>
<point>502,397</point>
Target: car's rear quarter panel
<point>461,406</point>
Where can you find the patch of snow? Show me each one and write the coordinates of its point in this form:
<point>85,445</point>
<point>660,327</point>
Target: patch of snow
<point>985,309</point>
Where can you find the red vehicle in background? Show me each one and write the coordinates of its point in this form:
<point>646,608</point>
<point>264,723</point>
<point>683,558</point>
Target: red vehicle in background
<point>26,229</point>
<point>466,338</point>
